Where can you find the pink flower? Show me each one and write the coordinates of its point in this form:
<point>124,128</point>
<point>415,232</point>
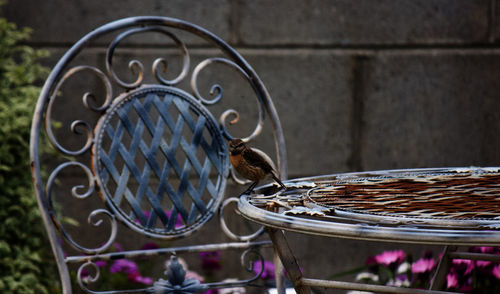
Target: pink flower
<point>483,263</point>
<point>389,257</point>
<point>496,271</point>
<point>423,265</point>
<point>137,278</point>
<point>484,249</point>
<point>464,264</point>
<point>451,280</point>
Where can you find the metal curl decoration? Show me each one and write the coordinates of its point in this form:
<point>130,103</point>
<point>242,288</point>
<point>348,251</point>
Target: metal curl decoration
<point>89,278</point>
<point>137,68</point>
<point>86,98</point>
<point>92,216</point>
<point>217,91</point>
<point>226,229</point>
<point>251,266</point>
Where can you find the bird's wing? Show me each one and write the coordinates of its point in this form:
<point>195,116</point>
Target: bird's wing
<point>259,159</point>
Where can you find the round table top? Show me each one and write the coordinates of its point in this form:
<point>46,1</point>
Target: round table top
<point>448,206</point>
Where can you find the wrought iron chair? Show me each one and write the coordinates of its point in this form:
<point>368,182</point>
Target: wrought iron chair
<point>153,153</point>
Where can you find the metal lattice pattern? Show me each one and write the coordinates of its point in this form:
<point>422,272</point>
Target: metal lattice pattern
<point>451,196</point>
<point>152,146</point>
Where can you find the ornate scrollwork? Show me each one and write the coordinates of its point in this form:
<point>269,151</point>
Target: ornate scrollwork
<point>137,68</point>
<point>251,262</point>
<point>88,277</point>
<point>226,229</point>
<point>93,218</point>
<point>78,127</point>
<point>217,91</point>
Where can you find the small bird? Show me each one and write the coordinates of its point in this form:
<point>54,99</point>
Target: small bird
<point>250,164</point>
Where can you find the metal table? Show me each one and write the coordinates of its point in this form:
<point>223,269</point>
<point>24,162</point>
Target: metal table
<point>441,206</point>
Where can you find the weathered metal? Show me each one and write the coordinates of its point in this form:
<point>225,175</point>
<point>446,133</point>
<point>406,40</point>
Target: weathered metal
<point>153,153</point>
<point>441,206</point>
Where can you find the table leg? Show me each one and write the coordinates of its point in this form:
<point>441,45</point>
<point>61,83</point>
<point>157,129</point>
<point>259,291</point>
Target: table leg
<point>288,259</point>
<point>278,273</point>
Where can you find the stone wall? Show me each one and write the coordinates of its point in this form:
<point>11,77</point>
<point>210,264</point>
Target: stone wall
<point>359,85</point>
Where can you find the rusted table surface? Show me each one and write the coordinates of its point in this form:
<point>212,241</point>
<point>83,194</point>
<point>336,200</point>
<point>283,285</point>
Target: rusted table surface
<point>448,206</point>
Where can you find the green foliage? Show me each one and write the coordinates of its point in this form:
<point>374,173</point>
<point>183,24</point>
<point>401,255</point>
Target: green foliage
<point>25,264</point>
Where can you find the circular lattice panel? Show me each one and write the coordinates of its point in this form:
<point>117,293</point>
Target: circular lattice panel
<point>160,161</point>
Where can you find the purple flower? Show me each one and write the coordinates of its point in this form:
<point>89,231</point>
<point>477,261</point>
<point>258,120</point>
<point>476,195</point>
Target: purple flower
<point>149,246</point>
<point>101,263</point>
<point>496,271</point>
<point>178,222</point>
<point>267,272</point>
<point>451,280</point>
<point>423,265</point>
<point>389,257</point>
<point>124,266</point>
<point>210,260</point>
<point>118,246</point>
<point>130,268</point>
<point>84,273</point>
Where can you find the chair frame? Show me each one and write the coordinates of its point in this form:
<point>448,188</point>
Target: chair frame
<point>42,126</point>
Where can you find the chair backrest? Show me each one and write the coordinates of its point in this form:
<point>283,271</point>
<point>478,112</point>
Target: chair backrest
<point>153,153</point>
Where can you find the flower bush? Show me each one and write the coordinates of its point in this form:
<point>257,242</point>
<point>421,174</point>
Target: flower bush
<point>396,268</point>
<point>26,264</point>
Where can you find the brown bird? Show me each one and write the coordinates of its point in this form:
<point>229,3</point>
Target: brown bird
<point>250,164</point>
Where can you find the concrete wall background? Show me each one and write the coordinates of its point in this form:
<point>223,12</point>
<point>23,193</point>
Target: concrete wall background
<point>382,84</point>
<point>359,85</point>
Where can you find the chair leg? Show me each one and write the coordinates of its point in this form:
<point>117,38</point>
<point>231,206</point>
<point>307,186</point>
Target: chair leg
<point>439,279</point>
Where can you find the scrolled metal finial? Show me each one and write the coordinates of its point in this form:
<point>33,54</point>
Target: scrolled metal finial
<point>78,124</point>
<point>137,68</point>
<point>176,280</point>
<point>92,219</point>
